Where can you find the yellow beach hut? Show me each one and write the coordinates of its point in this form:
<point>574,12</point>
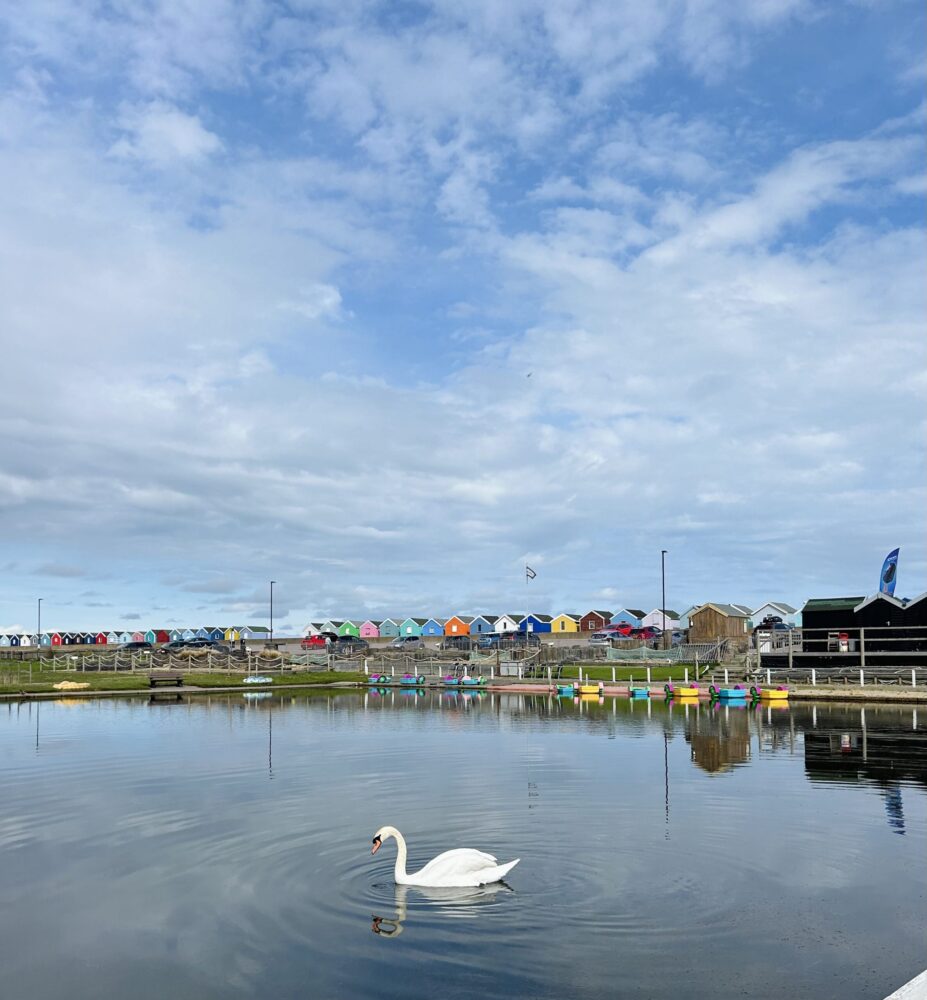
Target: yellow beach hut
<point>565,623</point>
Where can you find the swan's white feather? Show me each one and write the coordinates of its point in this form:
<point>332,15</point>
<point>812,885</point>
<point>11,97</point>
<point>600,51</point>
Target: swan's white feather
<point>463,867</point>
<point>461,861</point>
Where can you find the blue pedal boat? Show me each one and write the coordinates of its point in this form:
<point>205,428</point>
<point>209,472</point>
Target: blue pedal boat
<point>736,693</point>
<point>410,680</point>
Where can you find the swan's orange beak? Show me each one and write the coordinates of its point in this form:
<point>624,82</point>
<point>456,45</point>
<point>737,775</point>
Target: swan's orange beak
<point>376,845</point>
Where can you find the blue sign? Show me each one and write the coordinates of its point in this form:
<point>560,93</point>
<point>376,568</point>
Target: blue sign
<point>889,573</point>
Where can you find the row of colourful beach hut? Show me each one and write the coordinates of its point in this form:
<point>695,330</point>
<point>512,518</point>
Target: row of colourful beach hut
<point>591,621</point>
<point>461,625</point>
<point>116,638</point>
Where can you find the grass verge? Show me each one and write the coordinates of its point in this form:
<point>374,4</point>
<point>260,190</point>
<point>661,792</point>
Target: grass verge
<point>18,681</point>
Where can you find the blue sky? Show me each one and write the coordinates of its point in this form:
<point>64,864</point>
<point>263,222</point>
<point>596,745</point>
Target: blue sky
<point>273,277</point>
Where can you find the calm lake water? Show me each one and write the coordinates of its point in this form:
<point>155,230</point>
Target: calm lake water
<point>220,847</point>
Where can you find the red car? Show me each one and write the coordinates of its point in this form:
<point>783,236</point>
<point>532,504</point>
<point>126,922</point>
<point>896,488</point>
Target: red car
<point>314,642</point>
<point>622,628</point>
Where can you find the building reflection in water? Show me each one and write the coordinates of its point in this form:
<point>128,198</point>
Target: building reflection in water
<point>719,736</point>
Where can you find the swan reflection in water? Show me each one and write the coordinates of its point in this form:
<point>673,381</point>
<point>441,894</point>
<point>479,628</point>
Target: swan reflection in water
<point>452,902</point>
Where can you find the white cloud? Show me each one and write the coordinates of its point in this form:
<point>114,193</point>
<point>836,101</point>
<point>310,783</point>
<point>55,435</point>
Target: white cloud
<point>161,134</point>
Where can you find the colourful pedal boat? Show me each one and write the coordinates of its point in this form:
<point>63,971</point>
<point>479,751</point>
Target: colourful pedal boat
<point>770,694</point>
<point>683,691</point>
<point>410,680</point>
<point>736,693</point>
<point>639,692</point>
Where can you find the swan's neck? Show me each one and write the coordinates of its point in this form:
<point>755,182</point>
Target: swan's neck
<point>401,855</point>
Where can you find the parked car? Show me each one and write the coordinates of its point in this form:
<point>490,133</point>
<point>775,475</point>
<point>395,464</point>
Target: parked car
<point>773,624</point>
<point>350,644</point>
<point>407,642</point>
<point>313,642</point>
<point>622,628</point>
<point>520,639</point>
<point>602,638</point>
<point>179,646</point>
<point>138,646</point>
<point>489,640</point>
<point>174,646</point>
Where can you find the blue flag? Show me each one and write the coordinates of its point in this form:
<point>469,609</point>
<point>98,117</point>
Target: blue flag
<point>889,573</point>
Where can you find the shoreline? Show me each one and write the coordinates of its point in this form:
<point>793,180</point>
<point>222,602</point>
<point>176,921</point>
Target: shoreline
<point>805,692</point>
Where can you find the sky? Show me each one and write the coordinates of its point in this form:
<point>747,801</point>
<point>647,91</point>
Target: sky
<point>381,301</point>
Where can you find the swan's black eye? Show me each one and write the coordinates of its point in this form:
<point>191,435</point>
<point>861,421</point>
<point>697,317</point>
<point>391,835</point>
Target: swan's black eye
<point>376,840</point>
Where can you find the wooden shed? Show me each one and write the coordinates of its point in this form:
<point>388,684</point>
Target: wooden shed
<point>712,622</point>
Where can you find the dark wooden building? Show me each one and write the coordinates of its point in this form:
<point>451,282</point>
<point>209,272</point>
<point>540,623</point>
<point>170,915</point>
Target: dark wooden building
<point>891,625</point>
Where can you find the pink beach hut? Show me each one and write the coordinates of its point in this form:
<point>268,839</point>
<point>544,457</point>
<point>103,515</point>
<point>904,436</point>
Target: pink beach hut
<point>370,630</point>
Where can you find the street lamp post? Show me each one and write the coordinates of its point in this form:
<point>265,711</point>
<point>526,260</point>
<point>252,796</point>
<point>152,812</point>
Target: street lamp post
<point>38,632</point>
<point>663,593</point>
<point>272,582</point>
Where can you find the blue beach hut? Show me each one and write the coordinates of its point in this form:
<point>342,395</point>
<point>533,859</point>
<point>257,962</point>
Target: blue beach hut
<point>631,616</point>
<point>434,626</point>
<point>390,628</point>
<point>535,623</point>
<point>483,623</point>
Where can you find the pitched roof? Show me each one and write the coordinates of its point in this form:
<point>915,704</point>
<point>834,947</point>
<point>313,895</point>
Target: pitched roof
<point>601,614</point>
<point>728,610</point>
<point>635,611</point>
<point>466,619</point>
<point>745,608</point>
<point>832,603</point>
<point>668,612</point>
<point>881,597</point>
<point>779,606</point>
<point>488,618</point>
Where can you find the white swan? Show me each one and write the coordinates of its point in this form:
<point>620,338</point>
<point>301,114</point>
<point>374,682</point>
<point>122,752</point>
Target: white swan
<point>463,867</point>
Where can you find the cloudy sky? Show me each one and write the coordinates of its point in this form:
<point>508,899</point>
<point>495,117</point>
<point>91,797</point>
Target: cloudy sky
<point>378,300</point>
